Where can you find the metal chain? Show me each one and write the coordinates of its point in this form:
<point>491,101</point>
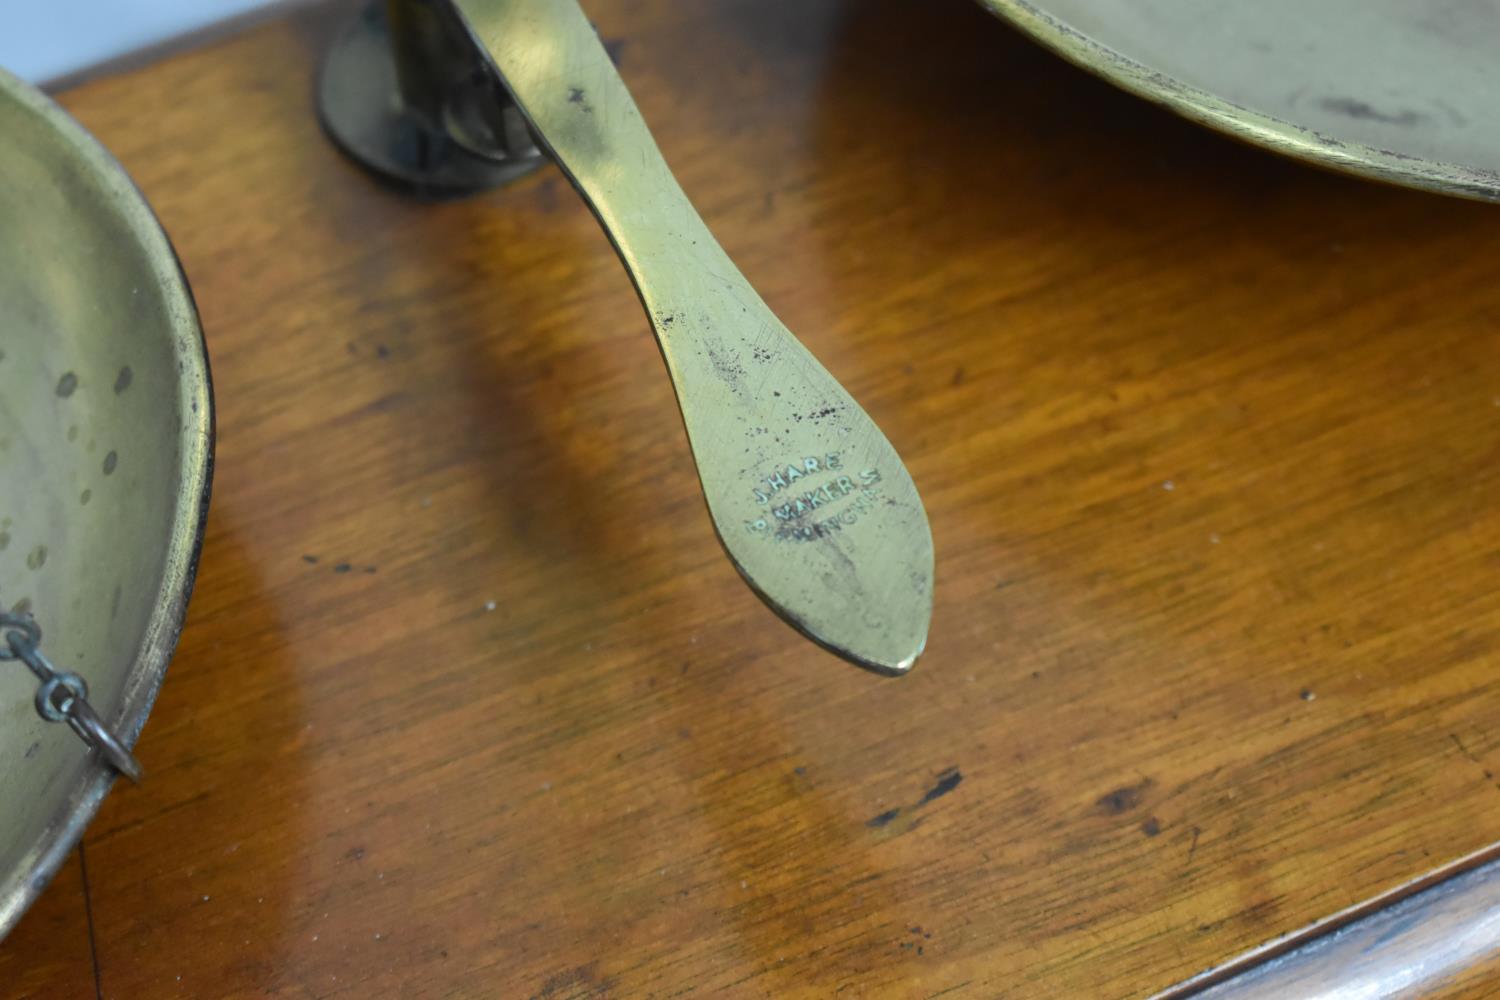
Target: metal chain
<point>62,696</point>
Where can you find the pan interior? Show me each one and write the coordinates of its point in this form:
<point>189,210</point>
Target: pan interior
<point>104,452</point>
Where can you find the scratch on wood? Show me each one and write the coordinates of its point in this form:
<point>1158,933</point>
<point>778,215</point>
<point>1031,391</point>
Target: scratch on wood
<point>1461,748</point>
<point>1488,774</point>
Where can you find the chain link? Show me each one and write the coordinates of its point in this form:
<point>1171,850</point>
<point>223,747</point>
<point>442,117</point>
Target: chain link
<point>62,696</point>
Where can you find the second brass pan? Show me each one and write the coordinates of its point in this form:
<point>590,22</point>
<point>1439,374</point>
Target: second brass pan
<point>1399,91</point>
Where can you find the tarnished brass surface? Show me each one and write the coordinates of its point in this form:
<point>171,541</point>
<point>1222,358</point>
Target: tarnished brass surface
<point>1396,91</point>
<point>810,500</point>
<point>105,455</point>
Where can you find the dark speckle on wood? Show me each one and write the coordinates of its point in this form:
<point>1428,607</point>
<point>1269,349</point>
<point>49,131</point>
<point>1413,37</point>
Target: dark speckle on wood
<point>342,568</point>
<point>1151,827</point>
<point>947,781</point>
<point>1122,799</point>
<point>67,385</point>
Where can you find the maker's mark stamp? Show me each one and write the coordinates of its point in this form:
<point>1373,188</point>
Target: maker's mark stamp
<point>813,497</point>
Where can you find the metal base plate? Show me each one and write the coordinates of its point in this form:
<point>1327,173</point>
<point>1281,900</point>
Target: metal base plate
<point>360,106</point>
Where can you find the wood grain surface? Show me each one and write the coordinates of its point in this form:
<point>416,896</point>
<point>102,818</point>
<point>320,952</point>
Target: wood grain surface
<point>470,703</point>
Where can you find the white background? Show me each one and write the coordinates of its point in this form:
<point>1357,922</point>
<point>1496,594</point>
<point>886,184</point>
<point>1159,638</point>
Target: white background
<point>52,41</point>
